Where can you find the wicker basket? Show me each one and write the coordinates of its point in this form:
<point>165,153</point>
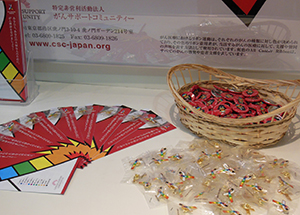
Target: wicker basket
<point>249,131</point>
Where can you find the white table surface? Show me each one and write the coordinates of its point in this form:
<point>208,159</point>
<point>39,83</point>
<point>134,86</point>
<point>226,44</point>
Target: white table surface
<point>97,189</point>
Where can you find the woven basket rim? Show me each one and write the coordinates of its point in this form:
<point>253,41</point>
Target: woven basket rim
<point>239,81</point>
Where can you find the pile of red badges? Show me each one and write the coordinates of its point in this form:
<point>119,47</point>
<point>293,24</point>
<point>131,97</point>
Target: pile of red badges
<point>230,103</point>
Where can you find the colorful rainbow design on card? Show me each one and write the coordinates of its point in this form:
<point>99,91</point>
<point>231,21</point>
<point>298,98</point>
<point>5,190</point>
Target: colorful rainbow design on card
<point>28,162</point>
<point>13,81</point>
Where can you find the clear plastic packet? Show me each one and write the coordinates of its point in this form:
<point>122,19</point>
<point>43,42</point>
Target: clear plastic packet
<point>135,167</point>
<point>286,169</point>
<point>133,177</point>
<point>281,206</point>
<point>229,199</point>
<point>217,200</point>
<point>231,167</point>
<point>227,181</point>
<point>205,191</point>
<point>289,189</point>
<point>249,154</point>
<point>246,173</point>
<point>206,152</point>
<point>169,156</point>
<point>188,172</point>
<point>176,189</point>
<point>230,193</point>
<point>258,193</point>
<point>275,167</point>
<point>181,178</point>
<point>181,208</point>
<point>249,209</point>
<point>263,172</point>
<point>195,144</point>
<point>159,158</point>
<point>177,155</point>
<point>227,168</point>
<point>293,171</point>
<point>147,182</point>
<point>212,153</point>
<point>257,201</point>
<point>151,183</point>
<point>158,195</point>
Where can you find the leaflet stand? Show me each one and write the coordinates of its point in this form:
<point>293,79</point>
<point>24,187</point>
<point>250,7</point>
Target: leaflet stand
<point>19,90</point>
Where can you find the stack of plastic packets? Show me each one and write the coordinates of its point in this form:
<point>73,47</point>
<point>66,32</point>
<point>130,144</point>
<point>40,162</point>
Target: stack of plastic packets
<point>206,177</point>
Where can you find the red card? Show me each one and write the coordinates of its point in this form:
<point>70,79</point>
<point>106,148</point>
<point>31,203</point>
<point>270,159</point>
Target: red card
<point>155,126</point>
<point>23,133</point>
<point>64,119</point>
<point>108,120</point>
<point>130,124</point>
<point>11,144</point>
<point>86,120</point>
<point>39,123</point>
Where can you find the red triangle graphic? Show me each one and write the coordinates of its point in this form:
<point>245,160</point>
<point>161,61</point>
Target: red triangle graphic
<point>245,5</point>
<point>246,10</point>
